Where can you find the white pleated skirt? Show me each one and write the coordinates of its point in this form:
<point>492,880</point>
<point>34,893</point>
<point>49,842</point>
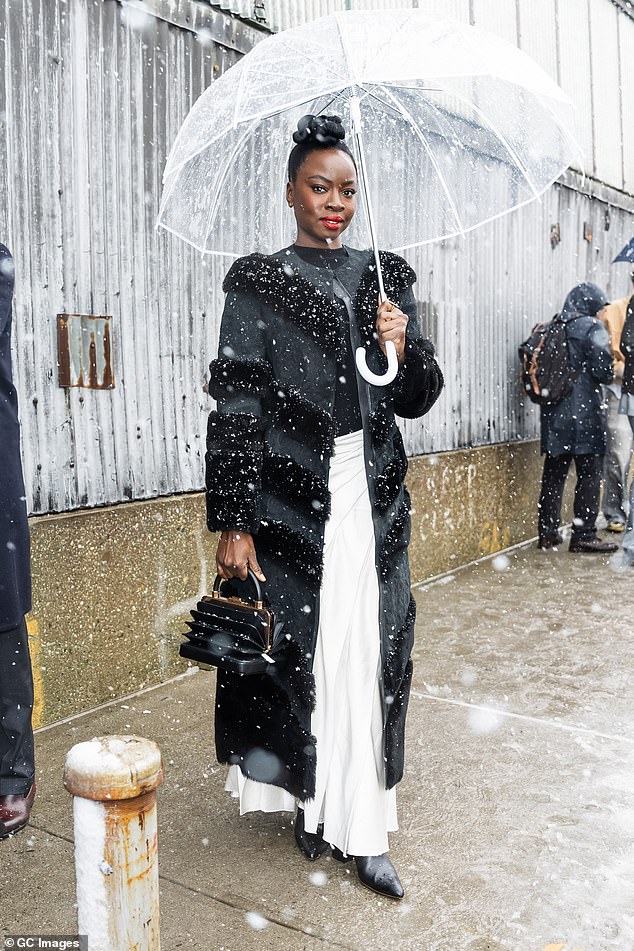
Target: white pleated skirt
<point>351,801</point>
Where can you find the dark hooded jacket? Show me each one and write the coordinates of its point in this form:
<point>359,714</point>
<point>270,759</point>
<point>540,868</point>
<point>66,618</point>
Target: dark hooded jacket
<point>577,423</point>
<point>15,577</point>
<point>268,449</point>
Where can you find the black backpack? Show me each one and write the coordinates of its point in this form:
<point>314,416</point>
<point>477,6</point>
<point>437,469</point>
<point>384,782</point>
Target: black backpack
<point>546,373</point>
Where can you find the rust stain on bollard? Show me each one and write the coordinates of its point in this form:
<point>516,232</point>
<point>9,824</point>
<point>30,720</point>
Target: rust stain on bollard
<point>114,781</point>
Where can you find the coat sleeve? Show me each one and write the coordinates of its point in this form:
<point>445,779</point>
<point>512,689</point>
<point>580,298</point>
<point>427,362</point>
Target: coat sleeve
<point>612,317</point>
<point>240,381</point>
<point>627,334</point>
<point>598,360</point>
<point>419,381</point>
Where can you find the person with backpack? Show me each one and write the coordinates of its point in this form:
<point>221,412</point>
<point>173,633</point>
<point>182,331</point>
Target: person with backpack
<point>573,427</point>
<point>626,407</point>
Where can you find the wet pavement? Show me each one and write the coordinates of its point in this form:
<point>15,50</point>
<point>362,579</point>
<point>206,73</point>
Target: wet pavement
<point>516,810</point>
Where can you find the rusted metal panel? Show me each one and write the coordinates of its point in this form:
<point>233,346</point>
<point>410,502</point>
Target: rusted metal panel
<point>84,354</point>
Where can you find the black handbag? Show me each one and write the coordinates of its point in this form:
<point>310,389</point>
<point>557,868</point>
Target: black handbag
<point>234,634</point>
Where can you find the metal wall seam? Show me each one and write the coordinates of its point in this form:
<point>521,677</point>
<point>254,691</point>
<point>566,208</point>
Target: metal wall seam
<point>500,18</point>
<point>626,60</point>
<point>538,33</point>
<point>605,80</point>
<point>574,60</point>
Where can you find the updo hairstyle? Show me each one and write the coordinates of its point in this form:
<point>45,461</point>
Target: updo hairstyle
<point>316,132</point>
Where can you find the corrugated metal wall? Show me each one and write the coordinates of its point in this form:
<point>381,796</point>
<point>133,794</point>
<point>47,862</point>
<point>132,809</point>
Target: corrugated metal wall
<point>92,107</point>
<point>94,99</point>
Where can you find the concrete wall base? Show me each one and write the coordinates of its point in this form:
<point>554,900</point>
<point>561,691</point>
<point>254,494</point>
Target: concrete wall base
<point>112,586</point>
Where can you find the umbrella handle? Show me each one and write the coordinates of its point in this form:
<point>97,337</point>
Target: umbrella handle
<point>374,378</point>
<point>392,360</point>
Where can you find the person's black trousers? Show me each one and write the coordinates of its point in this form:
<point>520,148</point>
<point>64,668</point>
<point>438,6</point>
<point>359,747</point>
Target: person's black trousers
<point>17,766</point>
<point>587,493</point>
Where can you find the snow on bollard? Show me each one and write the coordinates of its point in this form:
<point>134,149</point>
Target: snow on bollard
<point>114,781</point>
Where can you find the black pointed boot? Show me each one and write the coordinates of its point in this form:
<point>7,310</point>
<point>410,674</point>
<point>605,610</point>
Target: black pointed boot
<point>310,843</point>
<point>376,872</point>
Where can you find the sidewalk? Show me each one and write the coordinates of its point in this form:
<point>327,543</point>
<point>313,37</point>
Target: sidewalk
<point>516,811</point>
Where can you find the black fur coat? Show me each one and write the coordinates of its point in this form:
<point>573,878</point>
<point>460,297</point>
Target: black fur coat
<point>268,449</point>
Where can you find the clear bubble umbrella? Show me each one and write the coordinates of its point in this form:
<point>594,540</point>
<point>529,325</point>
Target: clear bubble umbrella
<point>451,126</point>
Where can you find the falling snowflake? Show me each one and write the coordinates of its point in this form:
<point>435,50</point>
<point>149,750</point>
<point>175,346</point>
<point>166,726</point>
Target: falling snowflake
<point>256,921</point>
<point>501,563</point>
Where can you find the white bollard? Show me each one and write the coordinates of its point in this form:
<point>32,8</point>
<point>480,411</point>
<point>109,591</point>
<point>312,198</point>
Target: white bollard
<point>114,781</point>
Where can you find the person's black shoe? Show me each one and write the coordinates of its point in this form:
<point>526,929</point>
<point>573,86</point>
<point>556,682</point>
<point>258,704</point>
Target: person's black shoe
<point>550,541</point>
<point>310,843</point>
<point>376,872</point>
<point>591,546</point>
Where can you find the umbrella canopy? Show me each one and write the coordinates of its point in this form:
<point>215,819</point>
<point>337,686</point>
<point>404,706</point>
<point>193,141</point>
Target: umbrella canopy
<point>458,128</point>
<point>627,254</point>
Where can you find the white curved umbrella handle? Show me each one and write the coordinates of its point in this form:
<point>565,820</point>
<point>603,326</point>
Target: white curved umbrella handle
<point>374,378</point>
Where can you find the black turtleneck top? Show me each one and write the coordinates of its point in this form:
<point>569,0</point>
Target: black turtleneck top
<point>346,410</point>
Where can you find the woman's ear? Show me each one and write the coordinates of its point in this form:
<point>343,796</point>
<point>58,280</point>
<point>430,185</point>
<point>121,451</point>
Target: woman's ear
<point>290,198</point>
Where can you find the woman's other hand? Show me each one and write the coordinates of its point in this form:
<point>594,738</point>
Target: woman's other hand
<point>391,324</point>
<point>235,554</point>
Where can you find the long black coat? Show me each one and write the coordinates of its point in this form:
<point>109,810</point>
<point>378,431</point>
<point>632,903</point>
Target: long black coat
<point>15,575</point>
<point>577,423</point>
<point>268,451</point>
<point>627,348</point>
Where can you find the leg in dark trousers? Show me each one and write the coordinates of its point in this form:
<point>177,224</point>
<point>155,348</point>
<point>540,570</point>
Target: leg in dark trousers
<point>552,493</point>
<point>587,494</point>
<point>16,705</point>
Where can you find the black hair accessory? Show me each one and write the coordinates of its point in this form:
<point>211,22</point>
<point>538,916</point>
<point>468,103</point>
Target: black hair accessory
<point>326,130</point>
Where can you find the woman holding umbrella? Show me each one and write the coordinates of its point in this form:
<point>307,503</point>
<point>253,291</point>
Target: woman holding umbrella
<point>305,470</point>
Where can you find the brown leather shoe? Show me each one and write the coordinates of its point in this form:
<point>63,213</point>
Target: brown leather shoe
<point>15,812</point>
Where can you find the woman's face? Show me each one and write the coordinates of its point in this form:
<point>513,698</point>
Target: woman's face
<point>323,197</point>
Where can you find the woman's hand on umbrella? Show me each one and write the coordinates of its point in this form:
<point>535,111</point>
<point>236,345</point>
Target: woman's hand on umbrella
<point>235,554</point>
<point>391,324</point>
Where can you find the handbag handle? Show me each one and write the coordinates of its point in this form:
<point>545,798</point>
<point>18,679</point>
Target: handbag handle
<point>256,583</point>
